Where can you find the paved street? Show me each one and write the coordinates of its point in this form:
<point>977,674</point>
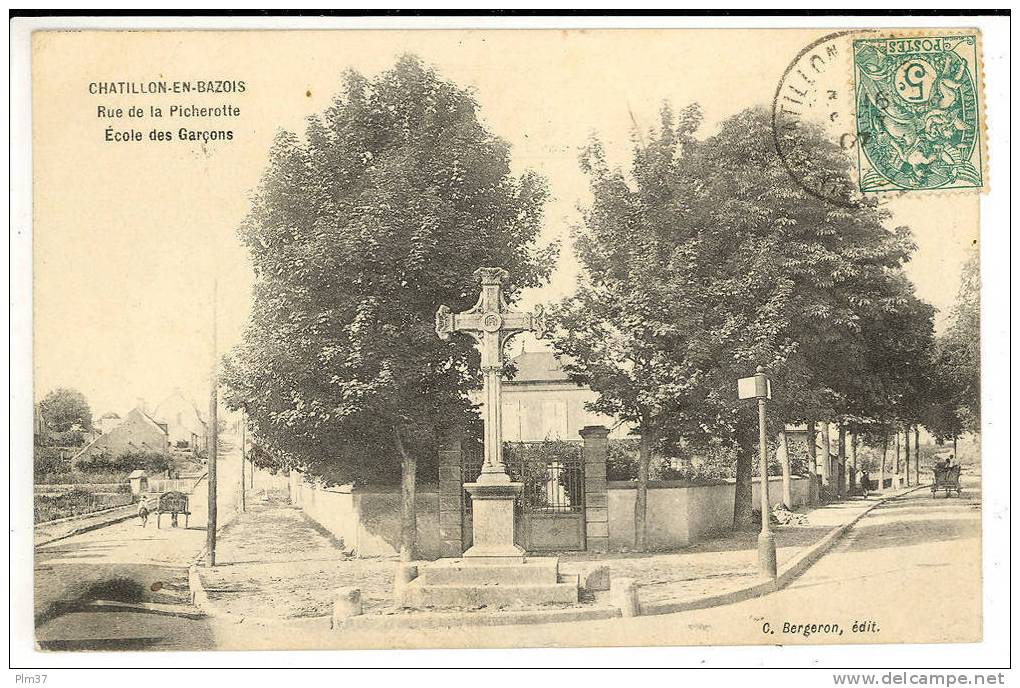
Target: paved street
<point>908,570</point>
<point>122,562</point>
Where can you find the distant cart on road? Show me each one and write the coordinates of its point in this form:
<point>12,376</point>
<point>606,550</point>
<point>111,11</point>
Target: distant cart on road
<point>947,479</point>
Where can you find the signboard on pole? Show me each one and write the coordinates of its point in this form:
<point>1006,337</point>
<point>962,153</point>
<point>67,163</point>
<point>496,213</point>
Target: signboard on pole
<point>754,387</point>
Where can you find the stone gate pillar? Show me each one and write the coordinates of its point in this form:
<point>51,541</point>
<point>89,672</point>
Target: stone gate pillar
<point>596,496</point>
<point>451,497</point>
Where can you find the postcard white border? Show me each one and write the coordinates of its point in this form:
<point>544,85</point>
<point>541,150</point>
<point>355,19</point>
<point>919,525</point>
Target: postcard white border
<point>996,289</point>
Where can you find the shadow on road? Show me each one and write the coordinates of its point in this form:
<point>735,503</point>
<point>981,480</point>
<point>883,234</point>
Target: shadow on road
<point>918,519</point>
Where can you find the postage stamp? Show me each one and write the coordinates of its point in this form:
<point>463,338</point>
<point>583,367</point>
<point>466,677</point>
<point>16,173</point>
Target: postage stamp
<point>918,113</point>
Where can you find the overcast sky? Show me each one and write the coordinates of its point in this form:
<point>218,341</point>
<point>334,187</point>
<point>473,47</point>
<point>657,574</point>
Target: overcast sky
<point>128,236</point>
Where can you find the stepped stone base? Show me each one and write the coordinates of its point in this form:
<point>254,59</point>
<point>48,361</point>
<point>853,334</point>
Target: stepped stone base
<point>503,582</point>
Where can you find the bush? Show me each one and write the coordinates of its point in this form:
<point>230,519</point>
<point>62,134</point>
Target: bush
<point>528,462</point>
<point>74,503</point>
<point>709,463</point>
<point>150,461</point>
<point>622,459</point>
<point>48,460</point>
<point>69,438</point>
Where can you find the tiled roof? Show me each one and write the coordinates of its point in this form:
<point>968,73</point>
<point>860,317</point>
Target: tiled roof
<point>538,366</point>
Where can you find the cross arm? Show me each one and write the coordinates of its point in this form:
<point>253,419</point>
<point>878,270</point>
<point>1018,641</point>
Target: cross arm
<point>525,322</point>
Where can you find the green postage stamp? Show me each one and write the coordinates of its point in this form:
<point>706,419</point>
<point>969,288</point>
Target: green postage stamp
<point>919,112</point>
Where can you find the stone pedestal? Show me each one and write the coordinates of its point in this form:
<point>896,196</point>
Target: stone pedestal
<point>491,582</point>
<point>492,508</point>
<point>494,572</point>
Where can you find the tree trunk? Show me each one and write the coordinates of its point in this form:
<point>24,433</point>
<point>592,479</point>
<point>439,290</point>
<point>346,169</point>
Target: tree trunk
<point>881,465</point>
<point>783,454</point>
<point>897,482</point>
<point>244,456</point>
<point>841,459</point>
<point>954,449</point>
<point>906,453</point>
<point>641,497</point>
<point>853,464</point>
<point>812,453</point>
<point>917,455</point>
<point>826,453</point>
<point>408,520</point>
<point>743,509</point>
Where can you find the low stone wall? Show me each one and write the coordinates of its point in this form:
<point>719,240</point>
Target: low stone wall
<point>367,519</point>
<point>60,488</point>
<point>50,531</point>
<point>681,514</point>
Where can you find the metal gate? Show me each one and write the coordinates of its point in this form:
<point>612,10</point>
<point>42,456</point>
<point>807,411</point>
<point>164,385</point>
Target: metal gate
<point>551,505</point>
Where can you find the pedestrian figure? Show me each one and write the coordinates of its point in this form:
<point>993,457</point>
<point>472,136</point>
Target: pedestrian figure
<point>865,482</point>
<point>143,510</point>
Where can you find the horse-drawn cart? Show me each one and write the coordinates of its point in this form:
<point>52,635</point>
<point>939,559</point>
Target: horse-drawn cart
<point>173,503</point>
<point>947,479</point>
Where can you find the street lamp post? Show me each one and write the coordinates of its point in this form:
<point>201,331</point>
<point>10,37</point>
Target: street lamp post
<point>760,387</point>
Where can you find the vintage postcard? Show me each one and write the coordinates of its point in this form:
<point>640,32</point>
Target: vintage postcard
<point>482,338</point>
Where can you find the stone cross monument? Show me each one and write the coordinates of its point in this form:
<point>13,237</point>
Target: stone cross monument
<point>492,324</point>
<point>494,572</point>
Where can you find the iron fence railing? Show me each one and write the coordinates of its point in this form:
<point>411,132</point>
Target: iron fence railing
<point>552,473</point>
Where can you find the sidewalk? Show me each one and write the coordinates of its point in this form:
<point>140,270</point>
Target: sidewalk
<point>727,565</point>
<point>274,563</point>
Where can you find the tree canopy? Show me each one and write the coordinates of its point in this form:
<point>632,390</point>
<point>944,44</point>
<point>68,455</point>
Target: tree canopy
<point>706,260</point>
<point>955,389</point>
<point>64,408</point>
<point>358,231</point>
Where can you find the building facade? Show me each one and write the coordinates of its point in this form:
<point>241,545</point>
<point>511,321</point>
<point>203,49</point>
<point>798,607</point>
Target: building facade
<point>184,422</point>
<point>137,432</point>
<point>541,403</point>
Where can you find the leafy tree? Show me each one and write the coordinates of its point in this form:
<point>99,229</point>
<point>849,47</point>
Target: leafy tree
<point>357,233</point>
<point>620,326</point>
<point>708,260</point>
<point>64,408</point>
<point>952,400</point>
<point>960,347</point>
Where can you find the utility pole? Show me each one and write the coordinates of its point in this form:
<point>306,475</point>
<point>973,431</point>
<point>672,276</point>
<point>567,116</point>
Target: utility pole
<point>213,445</point>
<point>760,387</point>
